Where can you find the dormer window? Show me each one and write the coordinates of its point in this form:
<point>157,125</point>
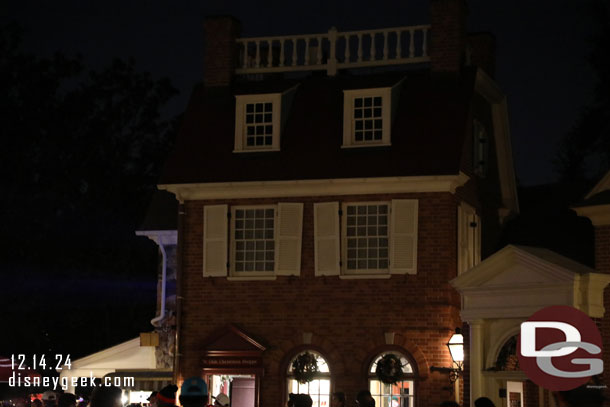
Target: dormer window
<point>259,120</point>
<point>480,151</point>
<point>368,116</point>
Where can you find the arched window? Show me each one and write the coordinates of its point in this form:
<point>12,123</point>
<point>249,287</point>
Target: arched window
<point>400,394</point>
<point>319,388</point>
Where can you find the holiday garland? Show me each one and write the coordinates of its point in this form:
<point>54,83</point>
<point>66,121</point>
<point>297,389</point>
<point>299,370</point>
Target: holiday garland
<point>389,369</point>
<point>304,367</point>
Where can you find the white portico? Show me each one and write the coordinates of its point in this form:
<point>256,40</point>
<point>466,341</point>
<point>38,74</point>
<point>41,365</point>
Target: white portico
<point>506,289</point>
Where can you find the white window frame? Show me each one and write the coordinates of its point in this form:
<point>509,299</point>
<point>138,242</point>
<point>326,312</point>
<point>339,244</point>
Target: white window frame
<point>348,117</point>
<point>232,261</point>
<point>240,121</point>
<point>344,269</point>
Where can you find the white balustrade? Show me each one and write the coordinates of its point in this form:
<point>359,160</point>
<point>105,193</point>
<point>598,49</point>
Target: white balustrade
<point>334,50</point>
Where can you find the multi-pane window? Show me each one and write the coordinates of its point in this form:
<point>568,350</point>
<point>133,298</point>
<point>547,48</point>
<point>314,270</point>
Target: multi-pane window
<point>368,119</point>
<point>319,388</point>
<point>254,239</point>
<point>259,125</point>
<point>399,394</point>
<point>366,236</point>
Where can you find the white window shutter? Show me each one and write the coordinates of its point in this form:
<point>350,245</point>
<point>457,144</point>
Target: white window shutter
<point>326,238</point>
<point>477,240</point>
<point>469,238</point>
<point>462,240</point>
<point>215,226</point>
<point>289,237</point>
<point>403,235</point>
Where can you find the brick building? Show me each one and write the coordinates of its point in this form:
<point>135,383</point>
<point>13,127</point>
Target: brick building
<point>596,207</point>
<point>330,187</point>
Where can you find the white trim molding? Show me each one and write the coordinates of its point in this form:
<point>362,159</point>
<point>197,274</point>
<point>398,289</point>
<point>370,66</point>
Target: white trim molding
<point>317,187</point>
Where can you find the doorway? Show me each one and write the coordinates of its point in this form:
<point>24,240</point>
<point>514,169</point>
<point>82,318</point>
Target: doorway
<point>241,388</point>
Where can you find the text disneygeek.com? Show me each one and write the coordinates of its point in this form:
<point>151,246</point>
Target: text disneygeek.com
<point>17,380</point>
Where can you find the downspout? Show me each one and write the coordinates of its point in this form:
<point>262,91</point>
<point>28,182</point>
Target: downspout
<point>179,261</point>
<point>155,321</point>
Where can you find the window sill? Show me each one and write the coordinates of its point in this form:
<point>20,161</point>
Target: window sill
<point>270,150</point>
<point>366,145</point>
<point>252,278</point>
<point>364,276</point>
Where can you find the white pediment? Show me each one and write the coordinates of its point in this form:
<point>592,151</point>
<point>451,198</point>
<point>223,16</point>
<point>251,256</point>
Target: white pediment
<point>517,281</point>
<point>520,265</point>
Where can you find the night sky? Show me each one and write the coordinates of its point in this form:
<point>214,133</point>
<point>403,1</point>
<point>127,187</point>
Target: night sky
<point>541,48</point>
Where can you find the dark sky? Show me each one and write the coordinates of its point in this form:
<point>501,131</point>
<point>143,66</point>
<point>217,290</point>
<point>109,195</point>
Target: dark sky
<point>542,47</point>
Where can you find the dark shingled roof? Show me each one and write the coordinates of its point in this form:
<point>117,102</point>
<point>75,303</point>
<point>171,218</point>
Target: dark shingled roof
<point>601,198</point>
<point>427,134</point>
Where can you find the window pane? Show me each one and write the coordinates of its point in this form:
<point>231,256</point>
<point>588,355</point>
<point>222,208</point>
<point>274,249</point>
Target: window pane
<point>251,243</point>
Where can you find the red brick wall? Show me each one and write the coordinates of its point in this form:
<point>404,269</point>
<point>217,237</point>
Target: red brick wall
<point>221,54</point>
<point>448,34</point>
<point>602,249</point>
<point>348,318</point>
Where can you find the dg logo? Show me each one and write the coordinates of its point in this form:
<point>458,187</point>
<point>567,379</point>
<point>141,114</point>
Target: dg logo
<point>560,348</point>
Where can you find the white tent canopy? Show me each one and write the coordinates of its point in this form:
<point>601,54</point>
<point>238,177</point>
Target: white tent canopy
<point>124,356</point>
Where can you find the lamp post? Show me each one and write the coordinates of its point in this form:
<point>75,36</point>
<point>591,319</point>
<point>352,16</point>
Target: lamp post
<point>456,350</point>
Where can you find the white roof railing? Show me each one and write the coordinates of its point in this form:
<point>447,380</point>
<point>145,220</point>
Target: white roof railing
<point>334,50</point>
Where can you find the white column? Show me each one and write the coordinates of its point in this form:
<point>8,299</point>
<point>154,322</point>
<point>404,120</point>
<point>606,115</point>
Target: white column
<point>476,360</point>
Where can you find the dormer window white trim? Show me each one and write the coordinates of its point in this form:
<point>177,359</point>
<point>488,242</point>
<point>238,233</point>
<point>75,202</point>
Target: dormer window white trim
<point>367,115</point>
<point>258,122</point>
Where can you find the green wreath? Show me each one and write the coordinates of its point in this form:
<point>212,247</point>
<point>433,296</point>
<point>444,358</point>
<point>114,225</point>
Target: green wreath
<point>389,369</point>
<point>304,367</point>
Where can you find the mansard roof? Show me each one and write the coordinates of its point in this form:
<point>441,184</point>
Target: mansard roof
<point>427,135</point>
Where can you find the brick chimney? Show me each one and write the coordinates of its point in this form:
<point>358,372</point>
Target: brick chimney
<point>448,34</point>
<point>481,52</point>
<point>221,53</point>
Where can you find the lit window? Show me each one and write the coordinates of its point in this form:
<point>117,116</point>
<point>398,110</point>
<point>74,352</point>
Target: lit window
<point>400,394</point>
<point>366,237</point>
<point>253,234</point>
<point>319,388</point>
